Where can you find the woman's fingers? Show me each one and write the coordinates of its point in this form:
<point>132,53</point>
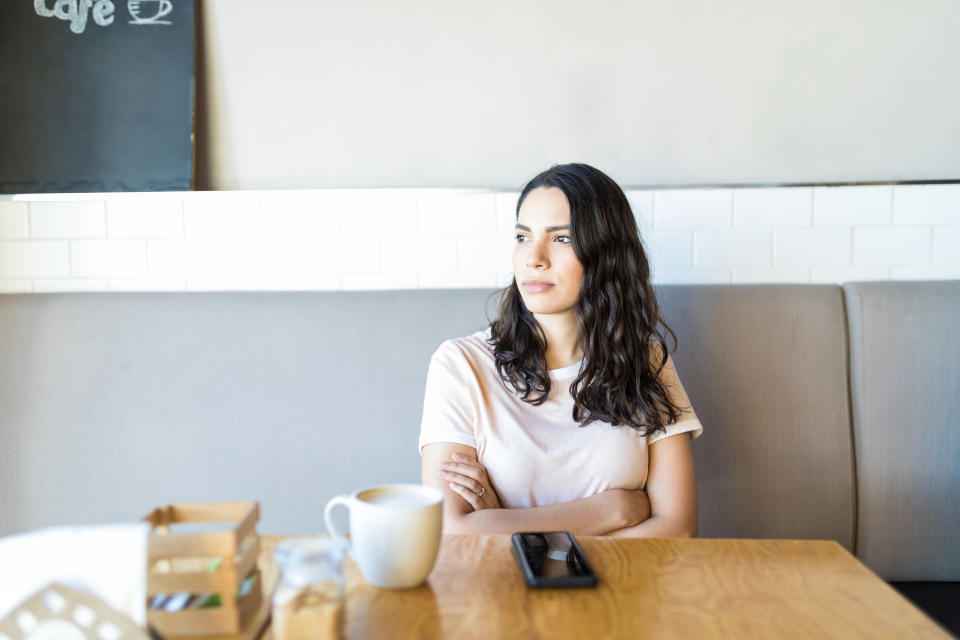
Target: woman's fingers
<point>467,495</point>
<point>468,478</point>
<point>471,470</point>
<point>466,481</point>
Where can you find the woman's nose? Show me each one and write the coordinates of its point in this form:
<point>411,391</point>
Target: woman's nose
<point>536,257</point>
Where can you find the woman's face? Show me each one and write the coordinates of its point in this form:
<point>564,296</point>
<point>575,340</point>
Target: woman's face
<point>547,270</point>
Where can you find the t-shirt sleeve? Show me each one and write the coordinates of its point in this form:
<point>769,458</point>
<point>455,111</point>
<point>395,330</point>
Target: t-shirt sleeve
<point>688,421</point>
<point>449,409</point>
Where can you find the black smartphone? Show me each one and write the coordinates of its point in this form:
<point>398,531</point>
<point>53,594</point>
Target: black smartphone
<point>552,560</point>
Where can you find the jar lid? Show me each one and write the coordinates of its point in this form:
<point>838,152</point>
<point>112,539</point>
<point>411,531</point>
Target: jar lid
<point>310,553</point>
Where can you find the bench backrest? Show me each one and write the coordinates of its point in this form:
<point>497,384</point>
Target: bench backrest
<point>113,403</point>
<point>765,368</point>
<point>905,392</point>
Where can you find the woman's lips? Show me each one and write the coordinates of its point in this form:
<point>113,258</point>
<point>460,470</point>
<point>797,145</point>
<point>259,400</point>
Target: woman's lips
<point>534,286</point>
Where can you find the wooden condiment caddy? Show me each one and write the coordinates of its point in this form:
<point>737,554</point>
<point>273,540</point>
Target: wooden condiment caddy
<point>206,564</point>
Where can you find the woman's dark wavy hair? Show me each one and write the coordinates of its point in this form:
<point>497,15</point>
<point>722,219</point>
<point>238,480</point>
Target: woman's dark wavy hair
<point>622,333</point>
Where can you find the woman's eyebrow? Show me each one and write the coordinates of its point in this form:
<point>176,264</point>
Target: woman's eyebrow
<point>548,229</point>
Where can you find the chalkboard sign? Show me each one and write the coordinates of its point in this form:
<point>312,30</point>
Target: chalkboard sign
<point>96,95</point>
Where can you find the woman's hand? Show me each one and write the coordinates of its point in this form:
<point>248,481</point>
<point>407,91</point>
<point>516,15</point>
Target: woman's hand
<point>469,479</point>
<point>634,505</point>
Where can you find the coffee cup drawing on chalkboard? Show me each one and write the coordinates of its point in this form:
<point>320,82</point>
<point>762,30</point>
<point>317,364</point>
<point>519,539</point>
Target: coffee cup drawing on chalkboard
<point>149,11</point>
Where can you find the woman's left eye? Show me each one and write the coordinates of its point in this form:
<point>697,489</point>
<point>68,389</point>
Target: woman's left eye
<point>562,239</point>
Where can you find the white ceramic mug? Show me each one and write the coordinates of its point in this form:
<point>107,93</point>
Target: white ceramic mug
<point>394,532</point>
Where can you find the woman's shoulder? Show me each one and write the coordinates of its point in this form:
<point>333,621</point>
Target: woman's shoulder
<point>472,347</point>
<point>472,350</point>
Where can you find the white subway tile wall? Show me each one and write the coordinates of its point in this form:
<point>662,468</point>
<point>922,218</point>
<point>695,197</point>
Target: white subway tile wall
<point>219,215</point>
<point>147,284</point>
<point>773,207</point>
<point>828,275</point>
<point>732,248</point>
<point>766,276</point>
<point>341,254</point>
<point>506,211</point>
<point>891,246</point>
<point>946,244</point>
<point>693,208</point>
<point>299,214</point>
<point>106,258</point>
<point>68,220</point>
<point>927,204</point>
<point>34,259</point>
<point>162,218</point>
<point>377,212</point>
<point>642,204</point>
<point>16,286</point>
<point>926,272</point>
<point>692,276</point>
<point>13,220</point>
<point>447,238</point>
<point>852,206</point>
<point>811,247</point>
<point>457,213</point>
<point>669,249</point>
<point>486,253</point>
<point>379,281</point>
<point>420,253</point>
<point>185,256</point>
<point>302,283</point>
<point>262,256</point>
<point>459,280</point>
<point>225,284</point>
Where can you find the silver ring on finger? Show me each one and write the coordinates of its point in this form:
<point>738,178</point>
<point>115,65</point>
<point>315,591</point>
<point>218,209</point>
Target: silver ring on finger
<point>482,491</point>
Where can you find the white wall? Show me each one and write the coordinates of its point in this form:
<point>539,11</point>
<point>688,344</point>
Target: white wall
<point>464,102</point>
<point>434,93</point>
<point>422,238</point>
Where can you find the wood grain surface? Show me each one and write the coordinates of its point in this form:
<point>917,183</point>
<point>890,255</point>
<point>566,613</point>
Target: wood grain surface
<point>699,588</point>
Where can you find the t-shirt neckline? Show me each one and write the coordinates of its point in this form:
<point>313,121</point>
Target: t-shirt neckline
<point>565,372</point>
<point>568,371</point>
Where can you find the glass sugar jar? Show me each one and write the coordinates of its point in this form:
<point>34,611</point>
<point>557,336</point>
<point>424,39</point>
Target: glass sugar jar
<point>308,600</point>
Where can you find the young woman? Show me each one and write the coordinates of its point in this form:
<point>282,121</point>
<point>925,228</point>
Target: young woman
<point>567,412</point>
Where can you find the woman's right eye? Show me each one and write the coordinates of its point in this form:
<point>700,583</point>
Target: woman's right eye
<point>521,237</point>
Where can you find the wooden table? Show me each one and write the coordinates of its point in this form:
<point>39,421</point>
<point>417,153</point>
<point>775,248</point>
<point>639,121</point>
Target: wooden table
<point>699,588</point>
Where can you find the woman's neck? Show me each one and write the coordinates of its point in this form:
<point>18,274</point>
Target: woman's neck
<point>563,338</point>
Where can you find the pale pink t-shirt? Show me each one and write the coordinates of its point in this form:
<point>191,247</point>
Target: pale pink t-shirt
<point>534,455</point>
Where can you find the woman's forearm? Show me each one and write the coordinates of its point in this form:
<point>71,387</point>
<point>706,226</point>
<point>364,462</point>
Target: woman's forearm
<point>657,527</point>
<point>591,516</point>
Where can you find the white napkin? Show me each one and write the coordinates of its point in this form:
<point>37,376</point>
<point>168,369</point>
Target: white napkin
<point>109,561</point>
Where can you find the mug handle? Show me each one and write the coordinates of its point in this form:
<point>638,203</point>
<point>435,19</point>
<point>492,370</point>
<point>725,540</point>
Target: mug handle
<point>334,530</point>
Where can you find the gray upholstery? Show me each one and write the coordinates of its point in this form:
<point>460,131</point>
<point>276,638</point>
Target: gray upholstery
<point>113,403</point>
<point>765,369</point>
<point>905,391</point>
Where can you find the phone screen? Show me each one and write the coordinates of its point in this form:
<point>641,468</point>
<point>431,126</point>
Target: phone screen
<point>552,559</point>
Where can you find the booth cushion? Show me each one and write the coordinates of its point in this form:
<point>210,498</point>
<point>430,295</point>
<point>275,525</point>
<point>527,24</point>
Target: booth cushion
<point>115,403</point>
<point>905,391</point>
<point>765,369</point>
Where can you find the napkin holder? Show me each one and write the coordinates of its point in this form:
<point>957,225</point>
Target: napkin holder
<point>206,564</point>
<point>58,611</point>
